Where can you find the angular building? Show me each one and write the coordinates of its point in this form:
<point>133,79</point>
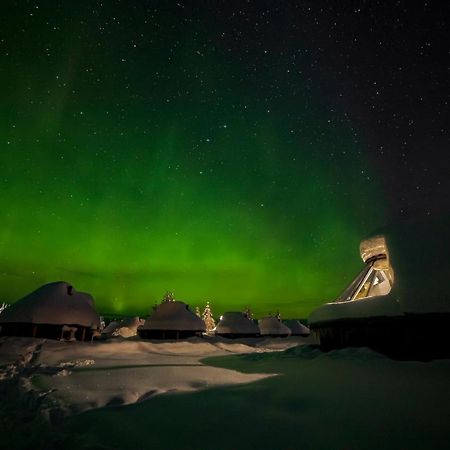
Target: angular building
<point>399,303</point>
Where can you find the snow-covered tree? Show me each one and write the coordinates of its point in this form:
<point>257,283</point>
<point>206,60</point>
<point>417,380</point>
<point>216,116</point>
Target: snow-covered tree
<point>168,297</point>
<point>197,312</point>
<point>248,313</point>
<point>208,318</point>
<point>3,306</point>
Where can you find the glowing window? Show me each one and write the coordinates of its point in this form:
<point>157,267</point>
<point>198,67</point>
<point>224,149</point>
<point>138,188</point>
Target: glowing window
<point>376,279</point>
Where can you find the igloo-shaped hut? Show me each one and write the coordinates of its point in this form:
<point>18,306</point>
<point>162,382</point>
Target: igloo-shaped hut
<point>172,320</point>
<point>235,325</point>
<point>53,311</point>
<point>273,326</point>
<point>399,302</point>
<point>297,328</point>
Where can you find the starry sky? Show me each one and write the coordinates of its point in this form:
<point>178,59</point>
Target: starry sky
<point>230,151</point>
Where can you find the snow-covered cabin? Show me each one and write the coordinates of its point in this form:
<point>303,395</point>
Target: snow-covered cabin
<point>297,328</point>
<point>172,320</point>
<point>273,326</point>
<point>399,302</point>
<point>48,309</point>
<point>236,324</point>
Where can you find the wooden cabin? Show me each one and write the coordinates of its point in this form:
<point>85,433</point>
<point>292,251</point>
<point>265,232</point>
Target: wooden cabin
<point>172,320</point>
<point>236,325</point>
<point>53,311</point>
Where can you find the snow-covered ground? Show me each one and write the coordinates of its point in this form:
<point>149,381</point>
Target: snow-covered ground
<point>217,394</point>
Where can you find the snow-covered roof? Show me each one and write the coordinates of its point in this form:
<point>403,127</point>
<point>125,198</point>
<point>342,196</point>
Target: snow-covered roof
<point>273,326</point>
<point>236,323</point>
<point>372,247</point>
<point>173,315</point>
<point>296,327</point>
<point>54,304</point>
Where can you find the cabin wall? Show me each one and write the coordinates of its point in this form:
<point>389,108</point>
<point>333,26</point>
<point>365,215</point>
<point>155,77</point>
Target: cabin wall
<point>43,331</point>
<point>275,335</point>
<point>412,336</point>
<point>237,335</point>
<point>168,334</point>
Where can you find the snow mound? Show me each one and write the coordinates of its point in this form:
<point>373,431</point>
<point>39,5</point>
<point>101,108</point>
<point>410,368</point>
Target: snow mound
<point>124,328</point>
<point>79,376</point>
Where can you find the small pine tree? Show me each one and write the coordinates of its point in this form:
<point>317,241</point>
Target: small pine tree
<point>197,312</point>
<point>168,297</point>
<point>208,318</point>
<point>248,313</point>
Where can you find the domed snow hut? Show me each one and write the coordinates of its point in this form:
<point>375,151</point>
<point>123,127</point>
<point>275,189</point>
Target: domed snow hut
<point>54,311</point>
<point>297,328</point>
<point>273,326</point>
<point>172,320</point>
<point>235,325</point>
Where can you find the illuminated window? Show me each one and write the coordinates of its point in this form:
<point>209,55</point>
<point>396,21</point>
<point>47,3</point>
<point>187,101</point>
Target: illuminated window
<point>376,279</point>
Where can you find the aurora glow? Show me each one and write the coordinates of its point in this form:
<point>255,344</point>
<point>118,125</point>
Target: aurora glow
<point>147,149</point>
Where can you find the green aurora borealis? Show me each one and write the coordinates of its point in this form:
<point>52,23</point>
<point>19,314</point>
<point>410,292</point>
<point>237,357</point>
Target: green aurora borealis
<point>141,155</point>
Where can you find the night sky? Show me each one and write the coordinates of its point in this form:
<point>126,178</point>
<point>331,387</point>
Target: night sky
<point>228,151</point>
